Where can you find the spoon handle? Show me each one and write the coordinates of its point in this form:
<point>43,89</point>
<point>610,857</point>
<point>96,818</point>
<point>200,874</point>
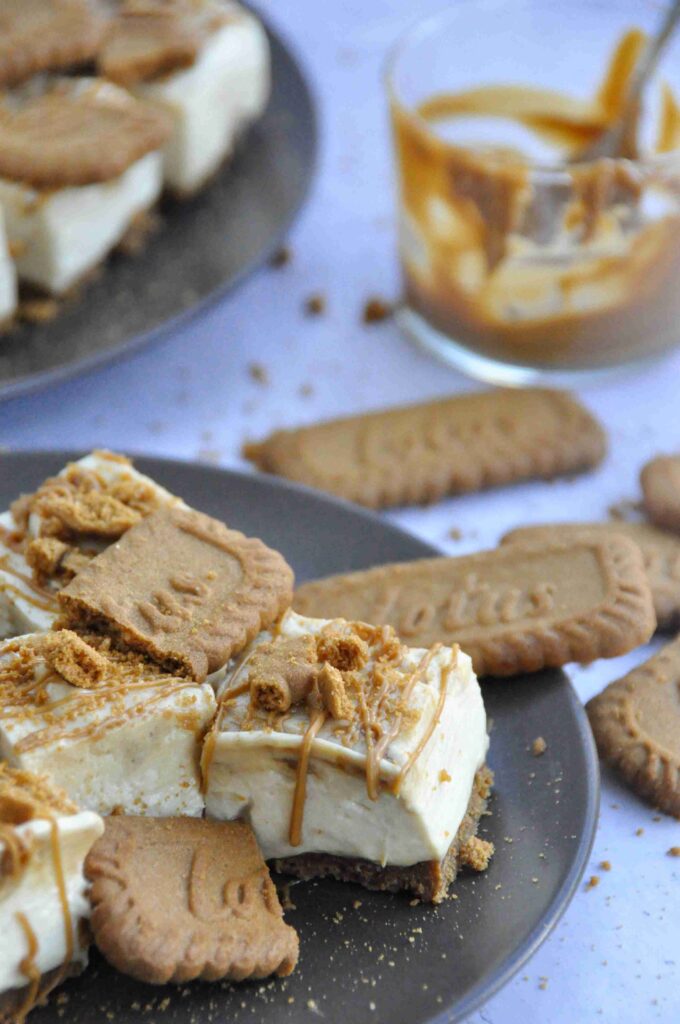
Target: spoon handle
<point>653,50</point>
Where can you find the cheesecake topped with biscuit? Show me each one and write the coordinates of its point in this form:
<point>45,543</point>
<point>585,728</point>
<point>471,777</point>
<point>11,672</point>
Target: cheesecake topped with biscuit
<point>47,537</point>
<point>205,63</point>
<point>352,755</point>
<point>80,160</point>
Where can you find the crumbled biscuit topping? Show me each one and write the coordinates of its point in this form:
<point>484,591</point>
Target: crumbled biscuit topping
<point>74,659</point>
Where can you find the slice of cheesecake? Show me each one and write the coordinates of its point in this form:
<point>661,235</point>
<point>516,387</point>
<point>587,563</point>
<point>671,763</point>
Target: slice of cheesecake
<point>48,536</point>
<point>80,161</point>
<point>205,63</point>
<point>44,840</point>
<point>111,728</point>
<point>353,755</point>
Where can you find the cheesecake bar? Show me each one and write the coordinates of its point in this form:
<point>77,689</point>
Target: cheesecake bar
<point>44,840</point>
<point>111,728</point>
<point>80,161</point>
<point>352,755</point>
<point>204,62</point>
<point>46,537</point>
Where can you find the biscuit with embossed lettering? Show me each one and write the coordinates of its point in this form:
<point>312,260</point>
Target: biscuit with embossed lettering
<point>47,35</point>
<point>183,589</point>
<point>636,724</point>
<point>519,608</point>
<point>174,899</point>
<point>660,552</point>
<point>420,453</point>
<point>660,481</point>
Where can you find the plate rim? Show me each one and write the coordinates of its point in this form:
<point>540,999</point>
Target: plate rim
<point>485,989</point>
<point>33,383</point>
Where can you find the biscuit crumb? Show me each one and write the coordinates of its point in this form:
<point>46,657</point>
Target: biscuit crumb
<point>72,658</point>
<point>305,390</point>
<point>258,373</point>
<point>44,555</point>
<point>605,865</point>
<point>91,512</point>
<point>639,831</point>
<point>281,257</point>
<point>476,853</point>
<point>376,310</point>
<point>674,851</point>
<point>345,653</point>
<point>539,746</point>
<point>592,882</point>
<point>444,776</point>
<point>333,694</point>
<point>455,534</point>
<point>315,304</point>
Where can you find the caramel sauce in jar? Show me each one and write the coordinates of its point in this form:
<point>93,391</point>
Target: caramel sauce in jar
<point>571,265</point>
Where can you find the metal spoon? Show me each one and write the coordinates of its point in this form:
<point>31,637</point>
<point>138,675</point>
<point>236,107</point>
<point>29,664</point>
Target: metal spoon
<point>612,142</point>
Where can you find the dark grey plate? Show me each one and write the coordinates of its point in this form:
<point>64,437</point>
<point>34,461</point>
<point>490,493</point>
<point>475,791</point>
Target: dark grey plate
<point>371,958</point>
<point>203,248</point>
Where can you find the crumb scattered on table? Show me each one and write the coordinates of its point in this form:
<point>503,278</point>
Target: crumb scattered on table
<point>315,304</point>
<point>258,373</point>
<point>592,882</point>
<point>280,258</point>
<point>639,831</point>
<point>539,746</point>
<point>605,865</point>
<point>674,851</point>
<point>455,534</point>
<point>376,310</point>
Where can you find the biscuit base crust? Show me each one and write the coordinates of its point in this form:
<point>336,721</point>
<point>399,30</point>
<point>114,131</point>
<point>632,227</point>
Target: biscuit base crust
<point>428,880</point>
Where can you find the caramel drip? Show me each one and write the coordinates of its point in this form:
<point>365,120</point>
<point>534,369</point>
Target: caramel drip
<point>316,721</point>
<point>24,577</point>
<point>425,738</point>
<point>563,120</point>
<point>374,753</point>
<point>15,855</point>
<point>208,752</point>
<point>29,969</point>
<point>61,889</point>
<point>48,605</point>
<point>23,698</point>
<point>95,730</point>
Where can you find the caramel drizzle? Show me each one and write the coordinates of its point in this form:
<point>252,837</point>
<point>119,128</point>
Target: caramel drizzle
<point>210,742</point>
<point>375,752</point>
<point>15,854</point>
<point>425,738</point>
<point>208,752</point>
<point>317,719</point>
<point>29,700</point>
<point>61,889</point>
<point>47,604</point>
<point>95,730</point>
<point>28,968</point>
<point>12,539</point>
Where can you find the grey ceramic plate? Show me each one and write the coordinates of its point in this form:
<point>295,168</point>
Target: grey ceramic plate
<point>203,248</point>
<point>371,958</point>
